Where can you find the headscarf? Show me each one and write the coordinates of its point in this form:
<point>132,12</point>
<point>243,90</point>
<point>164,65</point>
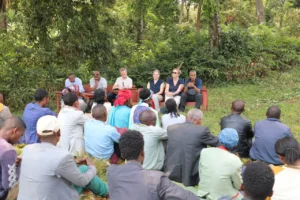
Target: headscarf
<point>147,98</point>
<point>71,88</point>
<point>228,138</point>
<point>123,96</point>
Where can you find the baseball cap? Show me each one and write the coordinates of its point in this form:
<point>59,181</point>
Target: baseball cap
<point>47,125</point>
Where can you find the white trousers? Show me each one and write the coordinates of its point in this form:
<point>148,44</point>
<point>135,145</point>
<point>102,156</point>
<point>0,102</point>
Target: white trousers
<point>176,98</point>
<point>156,99</point>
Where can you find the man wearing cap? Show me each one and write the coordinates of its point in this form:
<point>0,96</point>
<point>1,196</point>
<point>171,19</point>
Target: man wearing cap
<point>219,170</point>
<point>49,172</point>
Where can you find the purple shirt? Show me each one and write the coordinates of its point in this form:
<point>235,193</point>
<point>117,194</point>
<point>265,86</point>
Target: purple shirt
<point>9,172</point>
<point>32,113</point>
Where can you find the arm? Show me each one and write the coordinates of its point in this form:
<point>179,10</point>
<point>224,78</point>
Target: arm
<point>249,131</point>
<point>163,135</point>
<point>169,190</point>
<point>198,87</point>
<point>130,84</point>
<point>9,169</point>
<point>67,83</point>
<point>116,85</point>
<point>67,169</point>
<point>105,86</point>
<point>161,91</point>
<point>236,178</point>
<point>186,87</point>
<point>82,118</point>
<point>179,89</point>
<point>92,83</point>
<point>81,89</point>
<point>50,112</point>
<point>208,139</point>
<point>115,136</point>
<point>167,89</point>
<point>148,85</point>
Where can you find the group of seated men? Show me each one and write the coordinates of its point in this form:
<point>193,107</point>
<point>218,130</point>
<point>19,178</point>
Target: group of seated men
<point>163,159</point>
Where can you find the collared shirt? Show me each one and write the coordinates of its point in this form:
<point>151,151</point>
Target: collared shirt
<point>119,116</point>
<point>99,139</point>
<point>174,88</point>
<point>153,148</point>
<point>101,84</point>
<point>49,173</point>
<point>71,129</point>
<point>266,133</point>
<point>132,113</point>
<point>77,82</point>
<point>32,113</point>
<point>123,83</point>
<point>9,172</point>
<point>198,84</point>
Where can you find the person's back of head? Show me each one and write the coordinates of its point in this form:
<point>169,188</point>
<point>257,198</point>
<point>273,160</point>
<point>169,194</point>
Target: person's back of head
<point>258,181</point>
<point>13,129</point>
<point>99,96</point>
<point>288,150</point>
<point>171,107</point>
<point>195,116</point>
<point>273,112</point>
<point>70,99</point>
<point>99,113</point>
<point>145,94</point>
<point>238,106</point>
<point>41,97</point>
<point>148,117</point>
<point>229,138</point>
<point>131,145</point>
<point>48,129</point>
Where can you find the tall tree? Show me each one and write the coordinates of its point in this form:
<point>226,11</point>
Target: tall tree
<point>260,12</point>
<point>3,22</point>
<point>212,9</point>
<point>181,11</point>
<point>199,15</point>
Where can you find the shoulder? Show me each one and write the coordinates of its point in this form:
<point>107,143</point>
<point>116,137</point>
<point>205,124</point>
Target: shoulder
<point>103,79</point>
<point>118,79</point>
<point>128,78</point>
<point>92,79</point>
<point>169,80</point>
<point>181,80</point>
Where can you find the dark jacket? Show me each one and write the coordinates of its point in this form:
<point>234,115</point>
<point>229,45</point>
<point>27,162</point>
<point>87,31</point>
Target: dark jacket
<point>130,181</point>
<point>244,129</point>
<point>185,142</point>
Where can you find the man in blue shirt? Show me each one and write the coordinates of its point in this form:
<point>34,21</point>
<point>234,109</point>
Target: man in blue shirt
<point>72,80</point>
<point>33,112</point>
<point>266,133</point>
<point>99,138</point>
<point>192,91</point>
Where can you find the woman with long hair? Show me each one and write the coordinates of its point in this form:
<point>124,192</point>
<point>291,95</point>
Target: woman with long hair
<point>172,116</point>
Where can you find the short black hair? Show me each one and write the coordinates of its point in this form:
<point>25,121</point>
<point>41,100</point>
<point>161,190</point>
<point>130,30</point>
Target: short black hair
<point>238,106</point>
<point>258,180</point>
<point>99,96</point>
<point>40,94</point>
<point>289,148</point>
<point>71,74</point>
<point>145,93</point>
<point>131,144</point>
<point>273,112</point>
<point>14,122</point>
<point>70,98</point>
<point>171,107</point>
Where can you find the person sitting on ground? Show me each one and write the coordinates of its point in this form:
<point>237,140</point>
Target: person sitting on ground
<point>131,181</point>
<point>98,82</point>
<point>120,112</point>
<point>144,104</point>
<point>287,181</point>
<point>185,142</point>
<point>192,91</point>
<point>99,98</point>
<point>10,134</point>
<point>73,80</point>
<point>81,98</point>
<point>4,111</point>
<point>174,87</point>
<point>156,86</point>
<point>266,133</point>
<point>49,172</point>
<point>122,83</point>
<point>242,126</point>
<point>258,181</point>
<point>172,116</point>
<point>219,170</point>
<point>71,120</point>
<point>153,137</point>
<point>99,138</point>
<point>33,112</point>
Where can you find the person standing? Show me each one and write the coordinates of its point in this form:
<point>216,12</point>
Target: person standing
<point>192,91</point>
<point>10,134</point>
<point>33,112</point>
<point>73,80</point>
<point>98,82</point>
<point>71,121</point>
<point>185,142</point>
<point>156,86</point>
<point>266,133</point>
<point>174,87</point>
<point>123,82</point>
<point>4,111</point>
<point>242,126</point>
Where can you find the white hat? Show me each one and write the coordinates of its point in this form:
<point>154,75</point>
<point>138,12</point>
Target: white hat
<point>47,125</point>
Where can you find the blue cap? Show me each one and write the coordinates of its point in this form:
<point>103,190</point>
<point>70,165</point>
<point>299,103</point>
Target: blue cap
<point>228,138</point>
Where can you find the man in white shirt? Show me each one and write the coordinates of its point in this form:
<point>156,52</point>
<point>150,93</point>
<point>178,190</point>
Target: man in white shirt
<point>98,82</point>
<point>73,80</point>
<point>123,82</point>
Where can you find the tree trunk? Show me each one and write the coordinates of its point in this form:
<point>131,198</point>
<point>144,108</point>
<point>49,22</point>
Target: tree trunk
<point>181,11</point>
<point>188,6</point>
<point>260,12</point>
<point>215,31</point>
<point>199,15</point>
<point>3,22</point>
<point>281,22</point>
<point>140,28</point>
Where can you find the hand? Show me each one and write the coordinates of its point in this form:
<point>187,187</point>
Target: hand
<point>190,84</point>
<point>170,94</point>
<point>19,160</point>
<point>89,162</point>
<point>81,161</point>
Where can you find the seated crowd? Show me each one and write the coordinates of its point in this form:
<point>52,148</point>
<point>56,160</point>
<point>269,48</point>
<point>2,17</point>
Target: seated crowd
<point>165,158</point>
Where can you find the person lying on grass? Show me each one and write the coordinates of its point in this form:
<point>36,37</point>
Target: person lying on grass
<point>49,172</point>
